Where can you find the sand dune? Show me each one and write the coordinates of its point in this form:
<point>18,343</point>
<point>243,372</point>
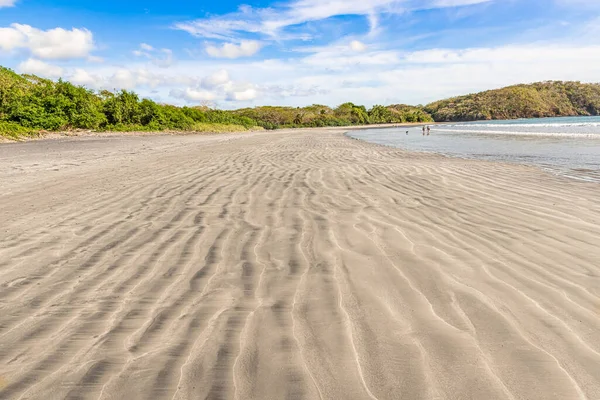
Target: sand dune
<point>292,265</point>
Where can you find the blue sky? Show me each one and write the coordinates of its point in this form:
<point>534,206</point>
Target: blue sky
<point>298,52</point>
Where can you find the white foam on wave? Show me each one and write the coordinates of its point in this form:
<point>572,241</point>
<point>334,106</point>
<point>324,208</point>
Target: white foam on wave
<point>578,174</point>
<point>522,133</point>
<point>542,125</point>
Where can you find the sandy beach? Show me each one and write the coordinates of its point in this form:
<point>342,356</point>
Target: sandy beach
<point>292,265</point>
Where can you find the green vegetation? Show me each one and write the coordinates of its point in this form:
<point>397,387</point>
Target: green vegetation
<point>318,115</point>
<point>543,99</point>
<point>13,130</point>
<point>30,105</point>
<point>219,128</point>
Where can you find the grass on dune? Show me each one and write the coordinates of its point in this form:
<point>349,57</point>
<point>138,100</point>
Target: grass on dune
<point>218,128</point>
<point>204,127</point>
<point>14,131</point>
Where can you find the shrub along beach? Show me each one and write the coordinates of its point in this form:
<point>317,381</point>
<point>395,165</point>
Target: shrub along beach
<point>29,104</point>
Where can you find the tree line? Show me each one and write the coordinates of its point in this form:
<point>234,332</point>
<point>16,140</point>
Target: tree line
<point>30,104</point>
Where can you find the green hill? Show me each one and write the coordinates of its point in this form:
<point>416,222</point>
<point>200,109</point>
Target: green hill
<point>537,100</point>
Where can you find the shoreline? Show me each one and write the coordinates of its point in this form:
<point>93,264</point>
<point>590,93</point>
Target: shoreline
<point>85,134</point>
<point>556,170</point>
<point>260,265</point>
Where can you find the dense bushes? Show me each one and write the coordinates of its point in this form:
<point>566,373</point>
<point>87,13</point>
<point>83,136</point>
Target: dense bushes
<point>41,104</point>
<point>14,130</point>
<point>318,115</point>
<point>29,104</point>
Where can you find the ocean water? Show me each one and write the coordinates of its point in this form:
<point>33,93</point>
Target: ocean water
<point>568,146</point>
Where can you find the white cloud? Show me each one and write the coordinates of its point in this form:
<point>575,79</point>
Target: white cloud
<point>7,3</point>
<point>130,79</point>
<point>148,81</point>
<point>95,59</point>
<point>355,45</point>
<point>229,91</point>
<point>165,59</point>
<point>82,77</point>
<point>246,48</point>
<point>217,86</point>
<point>273,20</point>
<point>193,95</point>
<point>11,39</point>
<point>291,91</point>
<point>424,76</point>
<point>160,57</point>
<point>40,68</point>
<point>116,78</point>
<point>456,3</point>
<point>512,54</point>
<point>242,95</point>
<point>124,79</point>
<point>221,77</point>
<point>376,76</point>
<point>593,4</point>
<point>340,59</point>
<point>57,43</point>
<point>373,24</point>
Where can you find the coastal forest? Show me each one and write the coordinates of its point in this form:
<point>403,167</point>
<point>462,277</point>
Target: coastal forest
<point>30,106</point>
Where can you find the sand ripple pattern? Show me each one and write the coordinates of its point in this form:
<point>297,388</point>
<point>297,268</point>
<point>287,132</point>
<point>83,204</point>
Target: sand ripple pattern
<point>292,265</point>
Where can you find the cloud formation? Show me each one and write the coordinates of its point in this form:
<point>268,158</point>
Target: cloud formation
<point>57,43</point>
<point>242,95</point>
<point>246,48</point>
<point>355,45</point>
<point>216,79</point>
<point>193,95</point>
<point>273,21</point>
<point>7,3</point>
<point>40,68</point>
<point>216,86</point>
<point>80,76</point>
<point>162,58</point>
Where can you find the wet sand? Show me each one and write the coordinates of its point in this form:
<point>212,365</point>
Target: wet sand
<point>292,265</point>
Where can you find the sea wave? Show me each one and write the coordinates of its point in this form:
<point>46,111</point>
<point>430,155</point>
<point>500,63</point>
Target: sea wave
<point>536,125</point>
<point>523,133</point>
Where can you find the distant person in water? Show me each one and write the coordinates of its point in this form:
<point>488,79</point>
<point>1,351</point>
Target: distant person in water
<point>423,130</point>
<point>428,129</point>
<point>407,132</point>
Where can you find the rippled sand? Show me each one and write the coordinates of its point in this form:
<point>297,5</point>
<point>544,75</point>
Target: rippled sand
<point>292,265</point>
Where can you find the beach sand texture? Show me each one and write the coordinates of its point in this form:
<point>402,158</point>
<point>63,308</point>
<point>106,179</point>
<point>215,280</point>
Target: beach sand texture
<point>292,265</point>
